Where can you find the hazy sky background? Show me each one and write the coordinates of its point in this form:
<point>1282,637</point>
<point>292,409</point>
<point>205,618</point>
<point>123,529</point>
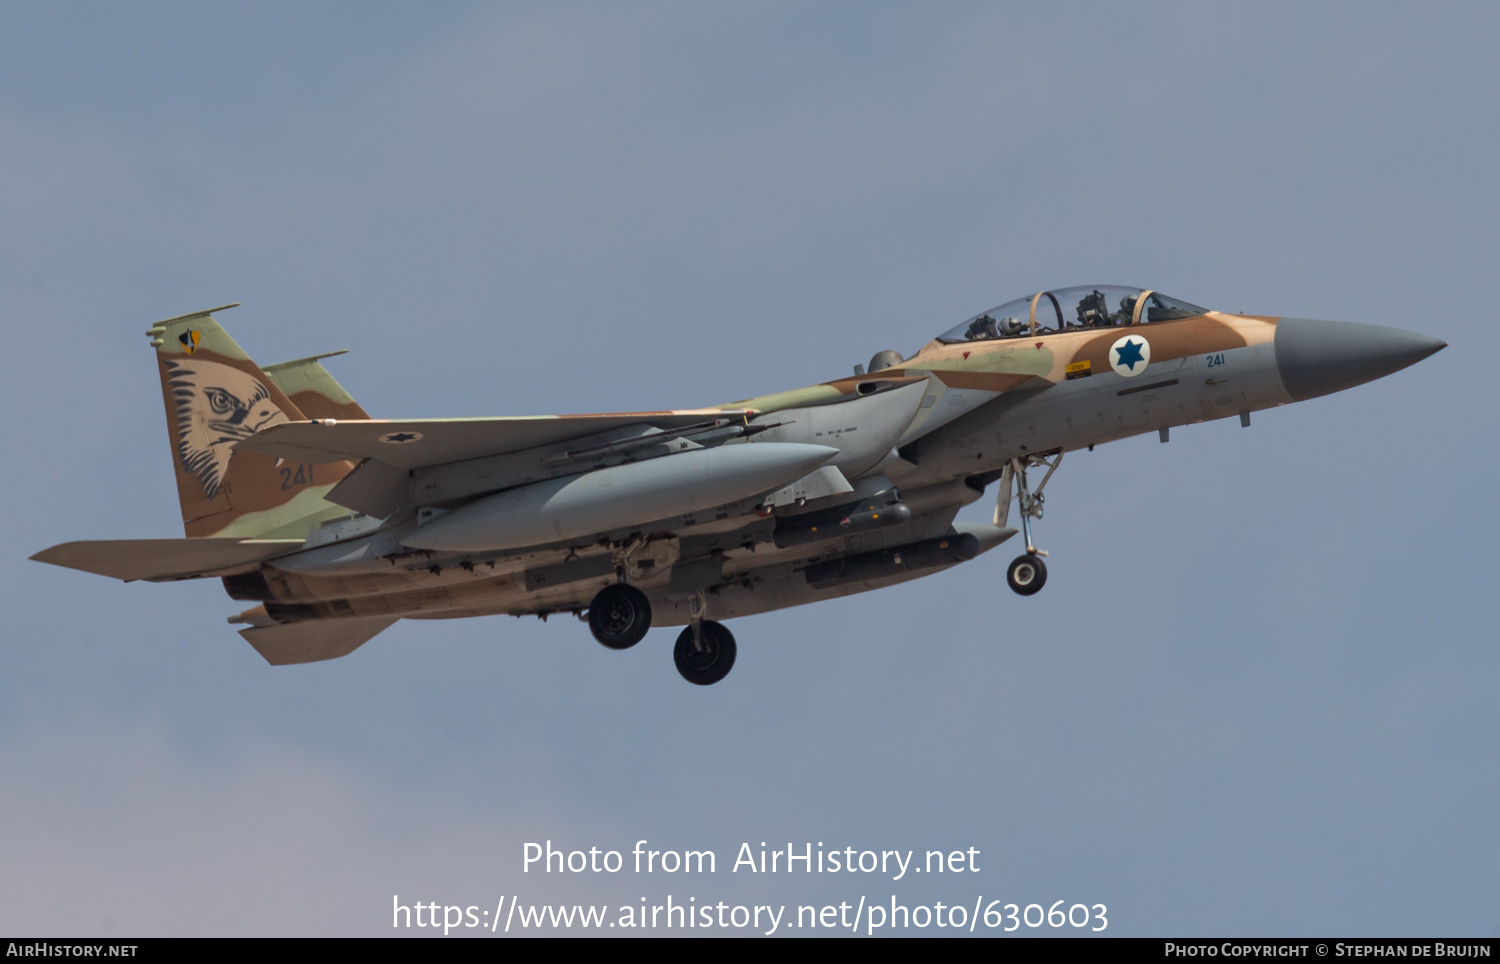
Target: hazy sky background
<point>1257,696</point>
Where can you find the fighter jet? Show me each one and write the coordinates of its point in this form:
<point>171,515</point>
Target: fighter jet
<point>335,525</point>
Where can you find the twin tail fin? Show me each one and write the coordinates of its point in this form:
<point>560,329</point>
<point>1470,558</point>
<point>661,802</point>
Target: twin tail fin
<point>215,397</point>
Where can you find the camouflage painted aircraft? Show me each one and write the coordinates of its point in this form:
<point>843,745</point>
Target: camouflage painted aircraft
<point>336,525</point>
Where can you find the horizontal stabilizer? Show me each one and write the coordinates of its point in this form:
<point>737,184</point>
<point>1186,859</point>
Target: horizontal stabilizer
<point>314,640</point>
<point>413,444</point>
<point>163,560</point>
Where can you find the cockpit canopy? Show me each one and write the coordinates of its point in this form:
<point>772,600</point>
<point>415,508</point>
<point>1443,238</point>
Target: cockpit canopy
<point>1065,309</point>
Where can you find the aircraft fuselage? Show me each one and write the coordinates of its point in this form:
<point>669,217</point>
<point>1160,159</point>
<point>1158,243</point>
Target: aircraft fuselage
<point>336,524</point>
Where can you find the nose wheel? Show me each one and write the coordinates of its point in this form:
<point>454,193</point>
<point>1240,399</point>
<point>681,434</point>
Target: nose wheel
<point>1027,573</point>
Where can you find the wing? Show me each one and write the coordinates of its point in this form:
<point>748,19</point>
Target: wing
<point>413,444</point>
<point>164,560</point>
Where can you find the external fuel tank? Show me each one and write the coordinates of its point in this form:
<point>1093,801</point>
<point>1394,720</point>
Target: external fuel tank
<point>619,496</point>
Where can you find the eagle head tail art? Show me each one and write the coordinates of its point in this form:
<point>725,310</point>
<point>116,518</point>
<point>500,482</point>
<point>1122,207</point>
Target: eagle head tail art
<point>217,406</point>
<point>216,397</point>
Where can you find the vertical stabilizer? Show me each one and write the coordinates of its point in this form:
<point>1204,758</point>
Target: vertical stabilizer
<point>312,389</point>
<point>215,397</point>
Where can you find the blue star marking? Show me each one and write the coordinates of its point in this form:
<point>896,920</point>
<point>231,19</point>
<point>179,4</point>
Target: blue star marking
<point>400,437</point>
<point>1128,354</point>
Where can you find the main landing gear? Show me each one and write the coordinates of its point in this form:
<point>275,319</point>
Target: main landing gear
<point>705,650</point>
<point>1027,573</point>
<point>704,653</point>
<point>620,615</point>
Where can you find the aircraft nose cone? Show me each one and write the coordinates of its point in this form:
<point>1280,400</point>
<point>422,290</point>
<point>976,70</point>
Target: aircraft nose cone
<point>1321,357</point>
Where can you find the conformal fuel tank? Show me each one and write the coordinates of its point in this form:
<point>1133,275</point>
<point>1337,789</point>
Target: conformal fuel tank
<point>619,496</point>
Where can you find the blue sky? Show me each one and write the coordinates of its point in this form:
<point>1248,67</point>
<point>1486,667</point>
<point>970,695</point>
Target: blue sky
<point>1256,696</point>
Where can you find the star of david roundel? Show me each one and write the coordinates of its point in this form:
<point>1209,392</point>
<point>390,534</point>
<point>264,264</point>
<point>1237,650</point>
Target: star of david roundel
<point>1130,355</point>
<point>400,438</point>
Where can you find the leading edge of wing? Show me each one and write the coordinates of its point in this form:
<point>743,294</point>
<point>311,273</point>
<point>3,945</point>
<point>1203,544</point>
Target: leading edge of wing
<point>416,443</point>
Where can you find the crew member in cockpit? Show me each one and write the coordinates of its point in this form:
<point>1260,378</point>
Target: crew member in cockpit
<point>982,328</point>
<point>1093,311</point>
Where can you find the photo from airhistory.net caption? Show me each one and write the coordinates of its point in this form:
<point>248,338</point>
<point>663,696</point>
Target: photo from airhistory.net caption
<point>864,911</point>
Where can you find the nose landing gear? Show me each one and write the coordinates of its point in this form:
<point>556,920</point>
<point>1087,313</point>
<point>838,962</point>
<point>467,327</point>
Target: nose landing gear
<point>1027,573</point>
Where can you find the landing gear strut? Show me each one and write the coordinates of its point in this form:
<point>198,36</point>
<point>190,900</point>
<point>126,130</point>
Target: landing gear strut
<point>619,616</point>
<point>1027,573</point>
